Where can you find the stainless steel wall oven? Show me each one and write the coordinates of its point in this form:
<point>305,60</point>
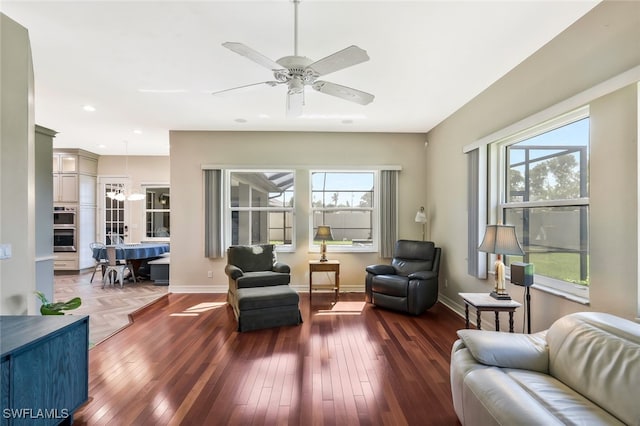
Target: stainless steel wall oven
<point>64,216</point>
<point>64,239</point>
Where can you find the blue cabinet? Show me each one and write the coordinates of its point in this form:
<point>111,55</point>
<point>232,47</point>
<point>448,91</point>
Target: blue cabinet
<point>44,368</point>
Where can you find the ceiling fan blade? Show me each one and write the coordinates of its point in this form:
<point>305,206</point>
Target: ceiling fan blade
<point>247,86</point>
<point>295,101</point>
<point>344,58</point>
<point>254,55</point>
<point>344,92</point>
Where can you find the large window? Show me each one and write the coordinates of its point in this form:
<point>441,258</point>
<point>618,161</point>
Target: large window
<point>157,212</point>
<point>344,200</point>
<point>261,206</point>
<point>546,196</point>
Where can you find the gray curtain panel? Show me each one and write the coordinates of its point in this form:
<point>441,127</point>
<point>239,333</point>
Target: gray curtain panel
<point>213,241</point>
<point>388,212</point>
<point>476,264</point>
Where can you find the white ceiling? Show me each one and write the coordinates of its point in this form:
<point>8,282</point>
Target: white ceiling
<point>428,58</point>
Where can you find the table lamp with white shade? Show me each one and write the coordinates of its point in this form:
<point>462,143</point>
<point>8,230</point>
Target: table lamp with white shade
<point>500,240</point>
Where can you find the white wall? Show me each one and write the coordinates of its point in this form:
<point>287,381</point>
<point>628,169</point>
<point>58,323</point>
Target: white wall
<point>302,151</point>
<point>17,176</point>
<point>601,45</point>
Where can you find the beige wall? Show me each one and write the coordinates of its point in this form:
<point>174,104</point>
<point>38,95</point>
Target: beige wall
<point>302,151</point>
<point>142,170</point>
<point>17,171</point>
<point>604,44</point>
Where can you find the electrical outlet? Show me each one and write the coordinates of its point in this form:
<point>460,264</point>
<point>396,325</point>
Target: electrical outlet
<point>5,251</point>
<point>209,274</point>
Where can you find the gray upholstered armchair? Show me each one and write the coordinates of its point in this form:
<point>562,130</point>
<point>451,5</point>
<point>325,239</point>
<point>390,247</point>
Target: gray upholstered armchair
<point>259,290</point>
<point>410,283</point>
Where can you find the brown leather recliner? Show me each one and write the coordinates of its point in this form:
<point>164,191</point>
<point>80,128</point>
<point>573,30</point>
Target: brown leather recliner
<point>410,283</point>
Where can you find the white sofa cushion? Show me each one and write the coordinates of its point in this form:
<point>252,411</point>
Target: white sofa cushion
<point>564,403</point>
<point>491,397</point>
<point>597,355</point>
<point>527,351</point>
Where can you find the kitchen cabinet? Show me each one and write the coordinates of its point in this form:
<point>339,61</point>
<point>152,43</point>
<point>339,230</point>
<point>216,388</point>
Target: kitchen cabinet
<point>65,178</point>
<point>65,188</point>
<point>75,187</point>
<point>65,163</point>
<point>69,169</point>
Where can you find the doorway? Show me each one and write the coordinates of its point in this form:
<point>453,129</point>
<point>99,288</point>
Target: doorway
<point>113,214</point>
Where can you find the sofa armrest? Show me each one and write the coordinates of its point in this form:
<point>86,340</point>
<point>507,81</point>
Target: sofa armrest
<point>422,275</point>
<point>508,350</point>
<point>281,267</point>
<point>233,272</point>
<point>381,269</point>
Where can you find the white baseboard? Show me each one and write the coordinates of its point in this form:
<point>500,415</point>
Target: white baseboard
<point>223,288</point>
<point>454,305</point>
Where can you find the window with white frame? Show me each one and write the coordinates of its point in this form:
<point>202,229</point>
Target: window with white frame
<point>157,212</point>
<point>261,207</point>
<point>344,200</point>
<point>545,194</point>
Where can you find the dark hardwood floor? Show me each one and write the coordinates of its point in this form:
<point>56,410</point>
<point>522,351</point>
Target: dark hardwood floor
<point>182,362</point>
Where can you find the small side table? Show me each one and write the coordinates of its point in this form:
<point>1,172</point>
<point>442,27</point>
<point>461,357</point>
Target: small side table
<point>484,302</point>
<point>328,266</point>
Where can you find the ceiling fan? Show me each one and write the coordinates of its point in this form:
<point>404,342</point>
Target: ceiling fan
<point>297,72</point>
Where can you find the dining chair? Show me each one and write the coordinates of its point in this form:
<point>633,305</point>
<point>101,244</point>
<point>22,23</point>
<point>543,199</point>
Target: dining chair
<point>115,267</point>
<point>101,263</point>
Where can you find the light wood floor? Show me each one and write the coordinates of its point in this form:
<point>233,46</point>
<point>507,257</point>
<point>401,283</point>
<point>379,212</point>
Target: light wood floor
<point>108,308</point>
<point>182,362</point>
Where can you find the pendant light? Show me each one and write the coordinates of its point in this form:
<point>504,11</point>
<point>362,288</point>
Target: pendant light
<point>122,194</point>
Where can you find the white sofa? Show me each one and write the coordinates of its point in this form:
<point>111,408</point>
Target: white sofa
<point>583,370</point>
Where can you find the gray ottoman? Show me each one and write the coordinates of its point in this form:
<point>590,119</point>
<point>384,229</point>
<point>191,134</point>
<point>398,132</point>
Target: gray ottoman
<point>264,307</point>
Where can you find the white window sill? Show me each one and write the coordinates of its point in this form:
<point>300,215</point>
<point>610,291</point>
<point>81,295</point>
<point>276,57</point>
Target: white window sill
<point>583,300</point>
<point>563,294</point>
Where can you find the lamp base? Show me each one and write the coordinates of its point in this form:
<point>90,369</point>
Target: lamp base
<point>500,296</point>
<point>323,251</point>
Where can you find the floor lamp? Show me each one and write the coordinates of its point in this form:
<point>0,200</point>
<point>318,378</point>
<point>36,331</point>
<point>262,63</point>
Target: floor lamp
<point>522,274</point>
<point>421,218</point>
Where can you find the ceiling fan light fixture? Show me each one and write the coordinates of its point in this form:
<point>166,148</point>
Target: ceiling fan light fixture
<point>299,71</point>
<point>295,86</point>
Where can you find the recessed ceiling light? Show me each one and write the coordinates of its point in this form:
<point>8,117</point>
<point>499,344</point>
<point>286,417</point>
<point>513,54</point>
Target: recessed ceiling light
<point>137,131</point>
<point>102,146</point>
<point>89,108</point>
<point>240,120</point>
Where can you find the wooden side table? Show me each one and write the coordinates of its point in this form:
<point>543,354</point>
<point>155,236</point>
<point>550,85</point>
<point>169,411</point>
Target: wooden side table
<point>484,302</point>
<point>328,266</point>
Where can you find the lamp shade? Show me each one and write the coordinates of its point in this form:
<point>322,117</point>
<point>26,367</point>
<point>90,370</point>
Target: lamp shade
<point>501,239</point>
<point>323,233</point>
<point>421,217</point>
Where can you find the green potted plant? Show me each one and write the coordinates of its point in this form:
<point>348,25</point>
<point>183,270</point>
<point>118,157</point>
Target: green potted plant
<point>56,308</point>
